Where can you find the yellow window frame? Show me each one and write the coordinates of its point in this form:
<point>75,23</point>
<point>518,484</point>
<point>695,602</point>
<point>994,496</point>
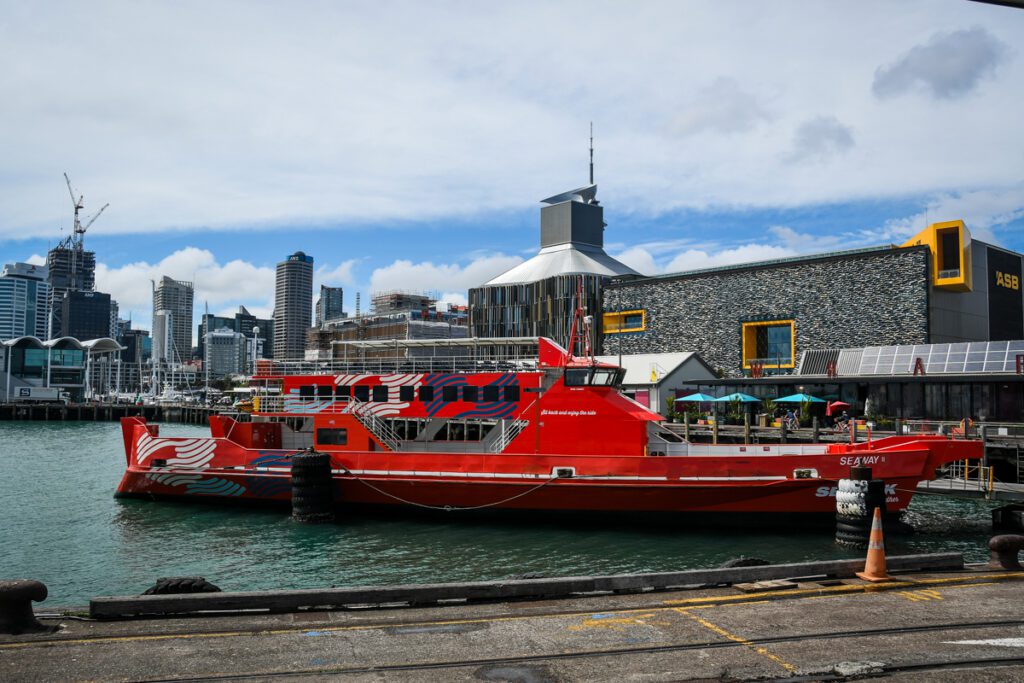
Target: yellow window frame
<point>749,335</point>
<point>613,323</point>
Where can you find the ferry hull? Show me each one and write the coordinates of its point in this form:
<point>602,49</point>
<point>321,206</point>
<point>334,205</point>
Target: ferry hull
<point>749,483</point>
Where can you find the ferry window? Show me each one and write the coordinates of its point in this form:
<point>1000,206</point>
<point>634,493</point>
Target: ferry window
<point>470,394</point>
<point>511,393</point>
<point>604,378</point>
<point>426,394</point>
<point>361,393</point>
<point>577,377</point>
<point>342,391</point>
<point>380,393</point>
<point>491,394</point>
<point>307,391</point>
<point>450,393</point>
<point>324,391</point>
<point>332,437</point>
<point>406,393</point>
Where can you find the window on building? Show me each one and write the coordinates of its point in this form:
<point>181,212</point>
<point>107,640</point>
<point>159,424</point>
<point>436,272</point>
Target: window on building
<point>380,393</point>
<point>450,393</point>
<point>771,344</point>
<point>470,394</point>
<point>406,393</point>
<point>490,394</point>
<point>361,393</point>
<point>332,437</point>
<point>426,394</point>
<point>624,321</point>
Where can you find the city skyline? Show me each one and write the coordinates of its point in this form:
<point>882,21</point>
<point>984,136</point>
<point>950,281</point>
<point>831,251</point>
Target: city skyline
<point>806,128</point>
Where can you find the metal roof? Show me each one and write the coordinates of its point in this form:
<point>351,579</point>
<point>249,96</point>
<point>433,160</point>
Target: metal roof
<point>640,366</point>
<point>467,342</point>
<point>563,259</point>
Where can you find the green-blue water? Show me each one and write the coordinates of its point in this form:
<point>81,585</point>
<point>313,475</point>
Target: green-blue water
<point>60,524</point>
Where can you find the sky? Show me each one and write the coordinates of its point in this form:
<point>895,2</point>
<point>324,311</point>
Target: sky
<point>406,145</point>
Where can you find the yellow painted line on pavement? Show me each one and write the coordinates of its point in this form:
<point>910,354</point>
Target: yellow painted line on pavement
<point>738,639</point>
<point>691,603</point>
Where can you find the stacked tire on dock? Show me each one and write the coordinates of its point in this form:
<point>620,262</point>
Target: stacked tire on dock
<point>856,500</point>
<point>312,488</point>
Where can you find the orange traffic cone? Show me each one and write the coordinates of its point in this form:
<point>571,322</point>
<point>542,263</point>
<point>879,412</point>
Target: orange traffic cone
<point>874,567</point>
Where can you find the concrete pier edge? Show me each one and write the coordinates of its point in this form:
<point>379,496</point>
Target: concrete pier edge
<point>278,601</point>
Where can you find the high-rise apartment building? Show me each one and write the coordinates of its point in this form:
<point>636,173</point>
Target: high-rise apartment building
<point>24,300</point>
<point>330,305</point>
<point>293,306</point>
<point>172,320</point>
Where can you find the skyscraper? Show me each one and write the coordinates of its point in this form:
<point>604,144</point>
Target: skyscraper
<point>293,306</point>
<point>330,305</point>
<point>24,299</point>
<point>172,320</point>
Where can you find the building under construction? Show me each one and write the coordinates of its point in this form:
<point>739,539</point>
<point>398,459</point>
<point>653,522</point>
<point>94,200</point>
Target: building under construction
<point>73,269</point>
<point>395,315</point>
<point>537,298</point>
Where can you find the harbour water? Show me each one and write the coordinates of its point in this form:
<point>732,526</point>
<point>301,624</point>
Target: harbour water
<point>60,524</point>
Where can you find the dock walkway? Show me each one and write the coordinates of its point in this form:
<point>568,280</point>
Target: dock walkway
<point>956,625</point>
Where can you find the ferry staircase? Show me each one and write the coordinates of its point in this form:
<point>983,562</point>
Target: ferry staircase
<point>375,425</point>
<point>508,430</point>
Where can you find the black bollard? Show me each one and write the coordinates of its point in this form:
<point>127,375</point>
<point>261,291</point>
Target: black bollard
<point>1004,551</point>
<point>312,488</point>
<point>16,615</point>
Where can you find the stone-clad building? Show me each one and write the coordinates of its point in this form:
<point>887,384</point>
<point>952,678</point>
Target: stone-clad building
<point>939,287</point>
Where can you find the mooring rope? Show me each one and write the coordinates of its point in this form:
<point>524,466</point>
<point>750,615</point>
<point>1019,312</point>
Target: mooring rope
<point>446,508</point>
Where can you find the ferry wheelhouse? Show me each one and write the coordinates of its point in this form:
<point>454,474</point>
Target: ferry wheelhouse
<point>506,424</point>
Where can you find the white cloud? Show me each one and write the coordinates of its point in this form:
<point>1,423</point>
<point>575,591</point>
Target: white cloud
<point>693,259</point>
<point>36,259</point>
<point>260,115</point>
<point>639,259</point>
<point>819,139</point>
<point>721,107</point>
<point>442,277</point>
<point>983,211</point>
<point>948,66</point>
<point>224,286</point>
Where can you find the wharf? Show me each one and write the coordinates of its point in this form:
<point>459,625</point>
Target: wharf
<point>107,412</point>
<point>924,625</point>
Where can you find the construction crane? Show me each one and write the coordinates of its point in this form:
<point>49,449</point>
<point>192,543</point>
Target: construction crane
<point>76,241</point>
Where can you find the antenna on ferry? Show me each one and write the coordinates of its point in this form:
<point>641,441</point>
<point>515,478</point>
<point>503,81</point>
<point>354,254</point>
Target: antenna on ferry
<point>591,152</point>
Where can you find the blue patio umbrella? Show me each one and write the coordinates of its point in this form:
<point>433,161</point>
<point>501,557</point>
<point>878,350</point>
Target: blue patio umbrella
<point>800,398</point>
<point>696,398</point>
<point>738,396</point>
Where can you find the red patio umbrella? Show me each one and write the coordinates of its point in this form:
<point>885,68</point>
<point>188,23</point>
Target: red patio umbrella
<point>835,405</point>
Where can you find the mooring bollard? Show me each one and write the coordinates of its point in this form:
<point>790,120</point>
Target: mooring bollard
<point>856,500</point>
<point>16,615</point>
<point>1004,551</point>
<point>312,488</point>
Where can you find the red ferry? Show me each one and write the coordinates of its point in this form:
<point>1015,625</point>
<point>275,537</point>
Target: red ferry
<point>542,431</point>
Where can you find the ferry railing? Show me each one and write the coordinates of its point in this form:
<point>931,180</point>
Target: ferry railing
<point>411,365</point>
